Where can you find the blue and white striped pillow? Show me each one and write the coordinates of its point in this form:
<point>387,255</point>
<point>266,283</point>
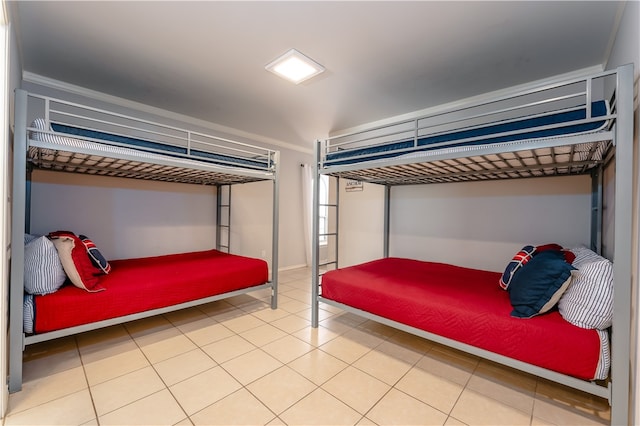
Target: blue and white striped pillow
<point>588,302</point>
<point>43,272</point>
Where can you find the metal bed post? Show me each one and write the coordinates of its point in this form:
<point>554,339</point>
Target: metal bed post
<point>387,211</point>
<point>220,224</point>
<point>337,213</point>
<point>18,223</point>
<point>315,240</point>
<point>623,219</point>
<point>274,232</point>
<point>597,178</point>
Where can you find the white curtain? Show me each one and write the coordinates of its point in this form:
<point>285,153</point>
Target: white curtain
<point>307,207</point>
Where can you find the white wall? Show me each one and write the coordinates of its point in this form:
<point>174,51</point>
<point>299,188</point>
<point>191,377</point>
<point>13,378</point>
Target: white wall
<point>361,224</point>
<point>483,224</point>
<point>125,218</point>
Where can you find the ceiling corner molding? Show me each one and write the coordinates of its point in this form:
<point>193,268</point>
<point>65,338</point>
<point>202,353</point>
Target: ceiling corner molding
<point>126,103</point>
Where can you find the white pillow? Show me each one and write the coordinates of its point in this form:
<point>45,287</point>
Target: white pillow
<point>43,272</point>
<point>588,302</point>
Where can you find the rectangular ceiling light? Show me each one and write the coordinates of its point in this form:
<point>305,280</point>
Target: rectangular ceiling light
<point>295,67</point>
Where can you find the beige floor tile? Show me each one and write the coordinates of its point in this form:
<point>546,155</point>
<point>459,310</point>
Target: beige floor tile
<point>205,331</point>
<point>263,334</point>
<point>47,358</point>
<point>185,317</point>
<point>102,337</point>
<point>239,408</point>
<point>366,422</point>
<point>269,315</point>
<point>430,388</point>
<point>258,304</point>
<point>104,344</point>
<point>229,348</point>
<point>219,309</point>
<point>397,408</point>
<point>318,366</point>
<point>202,390</point>
<point>116,365</point>
<point>294,306</point>
<point>452,421</point>
<point>382,366</point>
<point>300,295</point>
<point>357,389</point>
<point>117,393</point>
<point>315,336</point>
<point>164,344</point>
<point>505,385</point>
<point>396,349</point>
<point>157,409</point>
<point>450,365</point>
<point>320,408</point>
<point>477,409</point>
<point>558,413</point>
<point>73,409</point>
<point>148,326</point>
<point>377,329</point>
<point>48,388</point>
<point>557,398</point>
<point>251,366</point>
<point>281,389</point>
<point>184,366</point>
<point>287,348</point>
<point>322,314</point>
<point>242,323</point>
<point>291,323</point>
<point>345,349</point>
<point>412,342</point>
<point>184,422</point>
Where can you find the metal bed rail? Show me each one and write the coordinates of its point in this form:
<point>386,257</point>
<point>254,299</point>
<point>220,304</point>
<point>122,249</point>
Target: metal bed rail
<point>536,102</point>
<point>72,114</point>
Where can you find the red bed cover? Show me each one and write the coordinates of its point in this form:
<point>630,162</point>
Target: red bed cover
<point>465,305</point>
<point>138,285</point>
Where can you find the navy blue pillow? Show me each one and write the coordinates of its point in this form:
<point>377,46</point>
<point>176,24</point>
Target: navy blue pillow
<point>538,285</point>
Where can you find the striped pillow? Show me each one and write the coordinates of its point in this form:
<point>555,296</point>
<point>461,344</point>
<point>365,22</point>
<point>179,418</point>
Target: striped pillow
<point>43,271</point>
<point>588,302</point>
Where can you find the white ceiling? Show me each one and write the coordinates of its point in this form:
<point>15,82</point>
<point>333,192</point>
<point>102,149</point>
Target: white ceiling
<point>384,58</point>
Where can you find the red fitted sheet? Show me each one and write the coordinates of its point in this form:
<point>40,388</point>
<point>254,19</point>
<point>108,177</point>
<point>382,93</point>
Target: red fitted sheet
<point>465,305</point>
<point>138,285</point>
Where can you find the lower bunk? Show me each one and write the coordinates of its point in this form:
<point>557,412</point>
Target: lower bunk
<point>468,310</point>
<point>141,285</point>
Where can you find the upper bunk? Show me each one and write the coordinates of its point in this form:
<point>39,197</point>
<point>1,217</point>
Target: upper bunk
<point>563,127</point>
<point>70,137</point>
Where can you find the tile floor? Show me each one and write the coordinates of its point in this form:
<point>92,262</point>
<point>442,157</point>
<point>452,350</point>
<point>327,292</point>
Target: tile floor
<point>238,362</point>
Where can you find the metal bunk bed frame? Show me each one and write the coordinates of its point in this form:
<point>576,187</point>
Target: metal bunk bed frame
<point>184,169</point>
<point>450,166</point>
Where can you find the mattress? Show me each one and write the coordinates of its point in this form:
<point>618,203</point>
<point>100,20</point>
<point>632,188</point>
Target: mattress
<point>71,136</point>
<point>543,126</point>
<point>468,306</point>
<point>142,284</point>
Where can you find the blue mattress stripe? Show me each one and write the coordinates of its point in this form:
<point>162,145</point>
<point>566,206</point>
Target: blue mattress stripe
<point>598,109</point>
<point>165,148</point>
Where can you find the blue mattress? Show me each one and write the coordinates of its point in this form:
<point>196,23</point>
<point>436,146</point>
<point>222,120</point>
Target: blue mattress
<point>389,150</point>
<point>173,150</point>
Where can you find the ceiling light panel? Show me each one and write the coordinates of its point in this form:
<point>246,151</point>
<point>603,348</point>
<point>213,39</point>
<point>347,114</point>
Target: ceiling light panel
<point>295,67</point>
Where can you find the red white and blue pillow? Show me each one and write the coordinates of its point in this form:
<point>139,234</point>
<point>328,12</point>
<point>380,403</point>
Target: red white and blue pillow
<point>96,257</point>
<point>76,261</point>
<point>519,260</point>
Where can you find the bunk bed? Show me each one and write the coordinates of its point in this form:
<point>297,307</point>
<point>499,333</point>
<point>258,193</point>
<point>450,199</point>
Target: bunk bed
<point>61,284</point>
<point>559,127</point>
